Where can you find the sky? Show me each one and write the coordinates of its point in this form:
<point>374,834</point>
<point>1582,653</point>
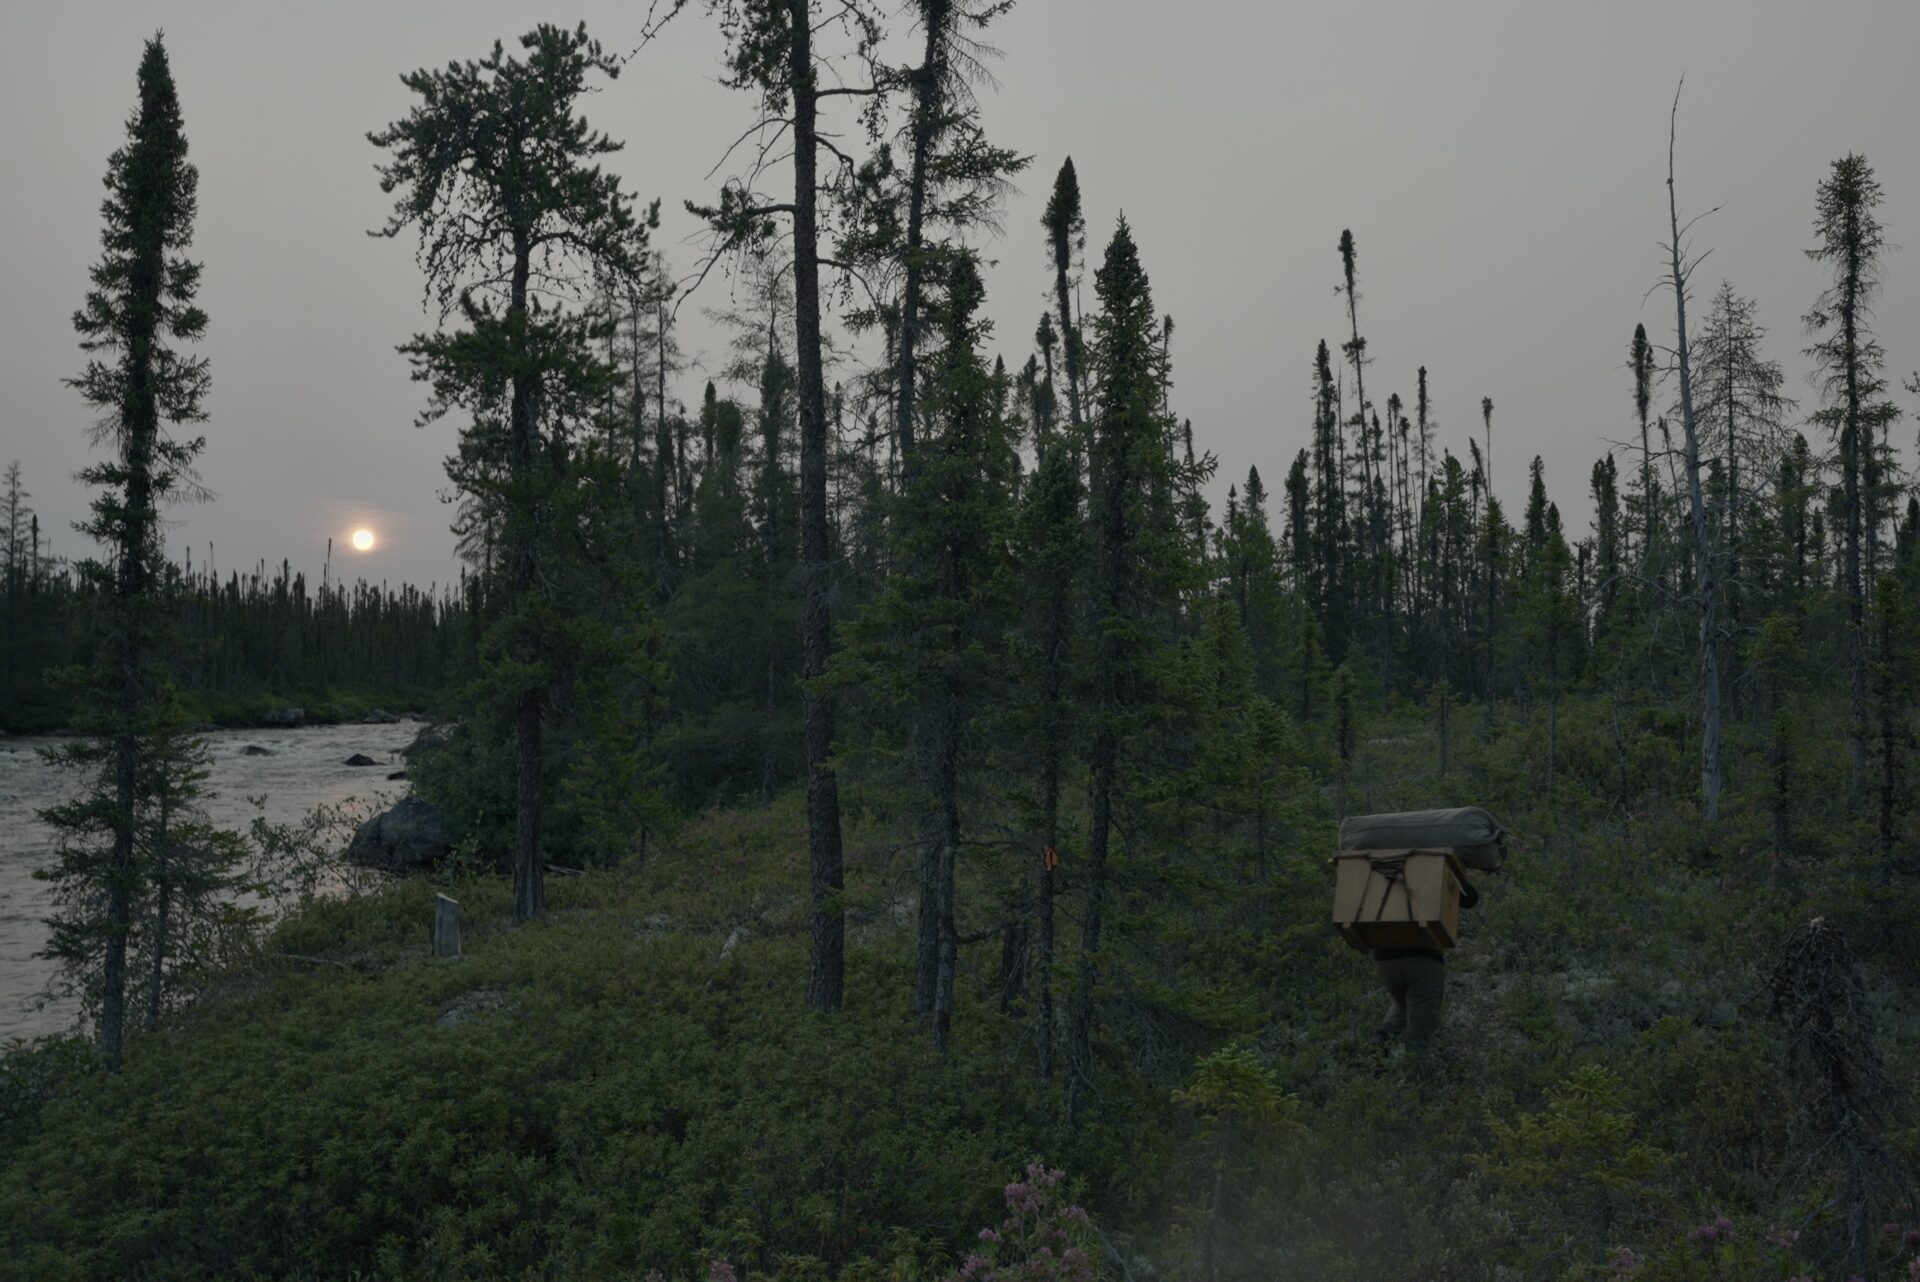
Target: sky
<point>1501,164</point>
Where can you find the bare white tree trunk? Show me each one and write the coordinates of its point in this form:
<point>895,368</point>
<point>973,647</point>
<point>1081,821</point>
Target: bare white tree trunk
<point>1702,547</point>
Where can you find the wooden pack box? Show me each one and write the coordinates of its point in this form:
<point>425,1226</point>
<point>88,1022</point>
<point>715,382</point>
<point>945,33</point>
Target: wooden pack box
<point>1397,898</point>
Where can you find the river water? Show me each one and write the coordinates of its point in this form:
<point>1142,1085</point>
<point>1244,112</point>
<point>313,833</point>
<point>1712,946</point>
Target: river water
<point>307,768</point>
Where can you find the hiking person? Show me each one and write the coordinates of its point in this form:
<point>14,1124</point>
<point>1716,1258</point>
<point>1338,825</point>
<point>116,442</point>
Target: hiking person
<point>1420,857</point>
<point>1416,980</point>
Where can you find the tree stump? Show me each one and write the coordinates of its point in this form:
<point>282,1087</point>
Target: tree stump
<point>446,927</point>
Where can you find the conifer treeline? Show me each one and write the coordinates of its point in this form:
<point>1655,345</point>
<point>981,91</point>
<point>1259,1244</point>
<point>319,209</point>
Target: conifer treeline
<point>265,633</point>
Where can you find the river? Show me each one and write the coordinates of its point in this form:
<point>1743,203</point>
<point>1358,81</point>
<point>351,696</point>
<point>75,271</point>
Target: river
<point>306,768</point>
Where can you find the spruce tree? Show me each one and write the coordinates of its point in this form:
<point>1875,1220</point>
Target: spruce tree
<point>1139,546</point>
<point>1066,230</point>
<point>1046,568</point>
<point>933,636</point>
<point>135,321</point>
<point>516,223</point>
<point>1850,373</point>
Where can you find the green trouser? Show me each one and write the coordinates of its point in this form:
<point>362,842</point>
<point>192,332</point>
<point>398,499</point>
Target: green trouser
<point>1417,985</point>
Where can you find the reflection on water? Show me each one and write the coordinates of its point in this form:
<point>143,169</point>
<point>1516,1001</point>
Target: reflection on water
<point>306,768</point>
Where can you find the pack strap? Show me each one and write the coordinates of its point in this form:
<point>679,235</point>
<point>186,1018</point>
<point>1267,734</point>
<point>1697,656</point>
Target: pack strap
<point>1393,872</point>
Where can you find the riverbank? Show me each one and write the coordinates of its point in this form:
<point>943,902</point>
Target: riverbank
<point>289,772</point>
<point>48,711</point>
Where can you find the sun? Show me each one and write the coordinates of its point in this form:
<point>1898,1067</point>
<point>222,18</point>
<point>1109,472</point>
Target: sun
<point>363,540</point>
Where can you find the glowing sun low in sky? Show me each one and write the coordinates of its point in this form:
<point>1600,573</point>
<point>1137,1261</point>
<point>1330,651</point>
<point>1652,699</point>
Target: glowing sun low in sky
<point>363,540</point>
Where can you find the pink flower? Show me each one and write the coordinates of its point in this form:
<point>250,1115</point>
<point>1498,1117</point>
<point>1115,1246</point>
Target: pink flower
<point>988,1235</point>
<point>721,1271</point>
<point>1624,1260</point>
<point>1911,1238</point>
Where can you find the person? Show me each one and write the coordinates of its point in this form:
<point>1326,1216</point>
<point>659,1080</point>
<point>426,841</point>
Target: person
<point>1416,980</point>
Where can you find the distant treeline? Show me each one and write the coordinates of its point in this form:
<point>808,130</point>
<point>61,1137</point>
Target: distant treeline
<point>243,641</point>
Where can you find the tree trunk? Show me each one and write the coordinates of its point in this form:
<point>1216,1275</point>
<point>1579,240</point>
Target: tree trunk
<point>826,957</point>
<point>1070,349</point>
<point>926,943</point>
<point>529,884</point>
<point>662,463</point>
<point>1850,469</point>
<point>139,416</point>
<point>1106,752</point>
<point>1702,546</point>
<point>926,107</point>
<point>946,958</point>
<point>1060,624</point>
<point>162,914</point>
<point>1889,733</point>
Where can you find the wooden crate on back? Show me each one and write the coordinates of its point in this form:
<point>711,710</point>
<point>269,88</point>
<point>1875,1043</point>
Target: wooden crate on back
<point>1397,898</point>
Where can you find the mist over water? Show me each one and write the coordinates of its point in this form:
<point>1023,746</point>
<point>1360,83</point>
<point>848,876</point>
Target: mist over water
<point>305,769</point>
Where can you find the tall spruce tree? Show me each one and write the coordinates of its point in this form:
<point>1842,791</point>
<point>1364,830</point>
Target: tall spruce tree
<point>1139,546</point>
<point>934,635</point>
<point>134,323</point>
<point>1850,373</point>
<point>516,223</point>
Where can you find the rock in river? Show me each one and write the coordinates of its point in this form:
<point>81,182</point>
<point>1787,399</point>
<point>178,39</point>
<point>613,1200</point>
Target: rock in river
<point>255,750</point>
<point>361,759</point>
<point>408,838</point>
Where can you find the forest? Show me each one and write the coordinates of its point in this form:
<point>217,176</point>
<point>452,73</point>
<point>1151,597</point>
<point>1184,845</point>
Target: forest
<point>889,802</point>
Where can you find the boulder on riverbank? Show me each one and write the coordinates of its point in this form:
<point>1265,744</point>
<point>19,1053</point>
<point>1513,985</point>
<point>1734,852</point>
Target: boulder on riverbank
<point>430,739</point>
<point>284,717</point>
<point>361,759</point>
<point>410,837</point>
<point>380,717</point>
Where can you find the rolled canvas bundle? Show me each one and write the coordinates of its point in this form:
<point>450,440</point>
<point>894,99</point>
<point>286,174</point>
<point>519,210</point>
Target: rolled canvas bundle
<point>1470,832</point>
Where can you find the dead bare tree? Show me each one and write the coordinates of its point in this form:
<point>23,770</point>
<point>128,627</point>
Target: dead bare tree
<point>1680,270</point>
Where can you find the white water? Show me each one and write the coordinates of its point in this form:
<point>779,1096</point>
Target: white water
<point>306,769</point>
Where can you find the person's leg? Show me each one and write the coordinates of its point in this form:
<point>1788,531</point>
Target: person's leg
<point>1426,988</point>
<point>1393,978</point>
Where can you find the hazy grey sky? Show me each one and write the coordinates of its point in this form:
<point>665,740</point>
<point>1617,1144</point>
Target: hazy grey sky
<point>1501,164</point>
